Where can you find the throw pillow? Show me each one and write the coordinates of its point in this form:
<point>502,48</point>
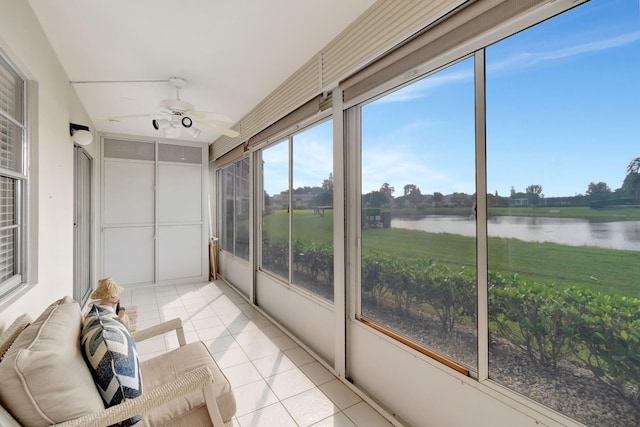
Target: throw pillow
<point>110,353</point>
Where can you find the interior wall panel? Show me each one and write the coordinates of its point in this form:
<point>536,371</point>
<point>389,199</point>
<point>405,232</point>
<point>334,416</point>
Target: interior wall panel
<point>299,314</point>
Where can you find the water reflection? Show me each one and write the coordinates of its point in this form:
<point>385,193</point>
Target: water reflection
<point>566,231</point>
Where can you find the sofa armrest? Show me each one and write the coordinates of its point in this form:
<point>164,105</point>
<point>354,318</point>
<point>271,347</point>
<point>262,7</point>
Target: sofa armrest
<point>161,328</point>
<point>194,380</point>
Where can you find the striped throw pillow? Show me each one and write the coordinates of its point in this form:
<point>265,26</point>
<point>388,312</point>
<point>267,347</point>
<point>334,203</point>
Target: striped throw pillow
<point>110,353</point>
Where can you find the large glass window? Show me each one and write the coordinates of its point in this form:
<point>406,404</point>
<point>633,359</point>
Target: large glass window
<point>228,207</point>
<point>235,208</point>
<point>312,209</point>
<point>563,150</point>
<point>275,210</point>
<point>418,250</point>
<point>297,214</point>
<point>242,209</point>
<point>13,177</point>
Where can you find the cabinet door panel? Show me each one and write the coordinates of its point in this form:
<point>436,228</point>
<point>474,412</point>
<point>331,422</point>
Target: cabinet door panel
<point>179,193</point>
<point>129,192</point>
<point>180,251</point>
<point>129,254</point>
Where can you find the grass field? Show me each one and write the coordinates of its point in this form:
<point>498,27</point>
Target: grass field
<point>600,269</point>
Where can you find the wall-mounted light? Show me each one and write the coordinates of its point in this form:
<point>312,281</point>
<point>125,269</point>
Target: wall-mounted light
<point>80,134</point>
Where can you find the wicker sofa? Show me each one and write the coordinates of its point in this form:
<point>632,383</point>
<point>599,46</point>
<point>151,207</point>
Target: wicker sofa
<point>44,379</point>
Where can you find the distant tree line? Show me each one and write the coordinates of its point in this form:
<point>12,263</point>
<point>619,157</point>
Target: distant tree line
<point>597,194</point>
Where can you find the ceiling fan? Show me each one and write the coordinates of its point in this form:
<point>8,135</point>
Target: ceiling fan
<point>176,115</point>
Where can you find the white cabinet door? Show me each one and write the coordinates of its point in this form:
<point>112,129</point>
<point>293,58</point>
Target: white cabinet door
<point>129,254</point>
<point>180,251</point>
<point>180,233</point>
<point>128,221</point>
<point>152,214</point>
<point>128,192</point>
<point>179,193</point>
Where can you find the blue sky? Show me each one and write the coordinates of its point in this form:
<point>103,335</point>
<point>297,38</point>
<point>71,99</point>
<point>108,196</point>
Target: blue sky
<point>563,110</point>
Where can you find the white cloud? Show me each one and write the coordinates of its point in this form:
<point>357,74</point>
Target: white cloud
<point>422,88</point>
<point>532,59</point>
<point>313,161</point>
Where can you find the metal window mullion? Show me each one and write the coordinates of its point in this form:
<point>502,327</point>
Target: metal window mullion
<point>17,204</point>
<point>234,196</point>
<point>290,214</point>
<point>481,216</point>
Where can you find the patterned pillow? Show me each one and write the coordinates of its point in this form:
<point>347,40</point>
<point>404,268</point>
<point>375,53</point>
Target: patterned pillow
<point>110,353</point>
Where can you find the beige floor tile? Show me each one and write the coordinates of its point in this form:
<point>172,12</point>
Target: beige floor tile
<point>364,415</point>
<point>273,364</point>
<point>310,407</point>
<point>340,394</point>
<point>289,383</point>
<point>271,416</point>
<point>317,373</point>
<point>252,397</point>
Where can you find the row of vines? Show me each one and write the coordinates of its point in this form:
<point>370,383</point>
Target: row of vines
<point>599,332</point>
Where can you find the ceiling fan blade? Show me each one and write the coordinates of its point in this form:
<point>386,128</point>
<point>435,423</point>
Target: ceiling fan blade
<point>220,129</point>
<point>205,115</point>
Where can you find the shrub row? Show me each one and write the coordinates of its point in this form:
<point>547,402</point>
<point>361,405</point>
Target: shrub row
<point>600,332</point>
<point>312,261</point>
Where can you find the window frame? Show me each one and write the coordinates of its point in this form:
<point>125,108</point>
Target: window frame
<point>287,138</point>
<point>354,126</point>
<point>21,192</point>
<point>352,114</point>
<point>223,226</point>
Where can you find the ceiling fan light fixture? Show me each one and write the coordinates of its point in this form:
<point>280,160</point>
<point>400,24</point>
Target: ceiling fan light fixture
<point>194,132</point>
<point>171,131</point>
<point>160,124</point>
<point>187,122</point>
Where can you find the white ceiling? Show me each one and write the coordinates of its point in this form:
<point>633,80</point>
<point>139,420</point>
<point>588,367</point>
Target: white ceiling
<point>232,53</point>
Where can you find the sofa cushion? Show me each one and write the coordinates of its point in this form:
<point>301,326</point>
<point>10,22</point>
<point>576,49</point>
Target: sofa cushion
<point>11,333</point>
<point>43,377</point>
<point>188,409</point>
<point>111,356</point>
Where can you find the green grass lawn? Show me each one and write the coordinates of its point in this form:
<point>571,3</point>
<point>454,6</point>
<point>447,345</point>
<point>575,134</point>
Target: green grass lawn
<point>600,269</point>
<point>306,225</point>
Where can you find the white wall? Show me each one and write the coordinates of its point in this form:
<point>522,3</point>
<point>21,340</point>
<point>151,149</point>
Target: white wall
<point>51,161</point>
<point>236,271</point>
<point>424,392</point>
<point>305,317</point>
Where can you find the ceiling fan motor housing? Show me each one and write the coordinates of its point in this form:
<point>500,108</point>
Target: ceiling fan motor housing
<point>176,106</point>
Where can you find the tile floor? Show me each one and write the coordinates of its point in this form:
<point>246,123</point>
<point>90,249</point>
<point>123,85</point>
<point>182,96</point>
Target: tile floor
<point>275,381</point>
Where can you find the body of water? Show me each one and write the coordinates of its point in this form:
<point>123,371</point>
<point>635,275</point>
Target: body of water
<point>566,231</point>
